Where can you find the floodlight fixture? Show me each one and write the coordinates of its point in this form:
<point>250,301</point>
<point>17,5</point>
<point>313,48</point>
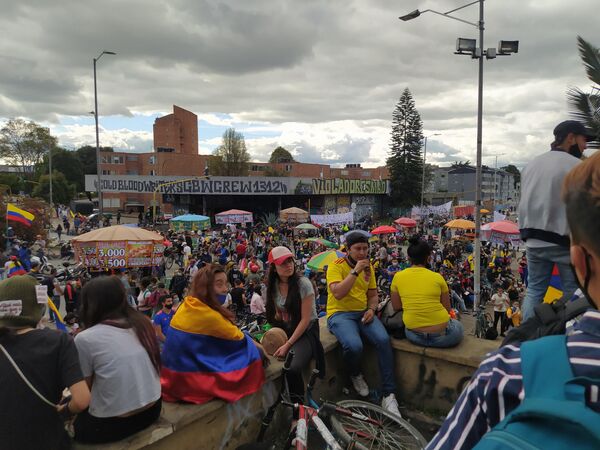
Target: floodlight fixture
<point>508,47</point>
<point>466,46</point>
<point>410,16</point>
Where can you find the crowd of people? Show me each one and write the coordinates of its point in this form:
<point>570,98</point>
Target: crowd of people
<point>181,340</point>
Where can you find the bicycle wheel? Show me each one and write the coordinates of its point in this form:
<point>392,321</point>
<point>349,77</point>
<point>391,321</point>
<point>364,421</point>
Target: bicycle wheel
<point>393,433</point>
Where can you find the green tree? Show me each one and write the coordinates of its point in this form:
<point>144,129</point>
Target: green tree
<point>67,163</point>
<point>405,162</point>
<point>13,181</point>
<point>585,106</point>
<point>281,155</point>
<point>516,172</point>
<point>62,191</point>
<point>234,157</point>
<point>24,144</point>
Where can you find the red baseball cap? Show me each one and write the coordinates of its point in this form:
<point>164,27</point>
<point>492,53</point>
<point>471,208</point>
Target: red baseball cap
<point>278,255</point>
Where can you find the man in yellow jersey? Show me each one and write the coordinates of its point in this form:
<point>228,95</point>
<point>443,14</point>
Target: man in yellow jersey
<point>351,305</point>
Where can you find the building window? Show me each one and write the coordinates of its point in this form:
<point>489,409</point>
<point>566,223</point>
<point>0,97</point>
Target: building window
<point>152,160</point>
<point>105,159</point>
<point>132,158</point>
<point>117,160</point>
<point>256,168</point>
<point>108,172</point>
<point>366,173</point>
<point>131,172</point>
<point>288,167</point>
<point>152,172</point>
<point>344,172</point>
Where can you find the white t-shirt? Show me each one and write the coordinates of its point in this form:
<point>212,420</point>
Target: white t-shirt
<point>124,377</point>
<point>257,305</point>
<point>500,302</point>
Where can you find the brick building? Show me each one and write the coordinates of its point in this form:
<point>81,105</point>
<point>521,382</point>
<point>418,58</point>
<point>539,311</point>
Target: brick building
<point>175,156</point>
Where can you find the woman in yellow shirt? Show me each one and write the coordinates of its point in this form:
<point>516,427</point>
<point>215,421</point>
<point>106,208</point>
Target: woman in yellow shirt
<point>423,296</point>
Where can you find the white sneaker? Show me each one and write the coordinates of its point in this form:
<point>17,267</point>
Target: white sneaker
<point>390,404</point>
<point>360,385</point>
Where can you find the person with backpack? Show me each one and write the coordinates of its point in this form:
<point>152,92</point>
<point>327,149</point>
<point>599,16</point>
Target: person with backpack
<point>544,393</point>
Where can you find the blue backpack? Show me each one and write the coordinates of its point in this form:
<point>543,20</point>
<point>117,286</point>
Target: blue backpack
<point>554,414</point>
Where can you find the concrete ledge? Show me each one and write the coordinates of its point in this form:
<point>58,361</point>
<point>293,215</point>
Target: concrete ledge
<point>428,379</point>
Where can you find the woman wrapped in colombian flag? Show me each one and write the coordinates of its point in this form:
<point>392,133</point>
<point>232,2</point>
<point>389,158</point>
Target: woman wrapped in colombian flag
<point>205,355</point>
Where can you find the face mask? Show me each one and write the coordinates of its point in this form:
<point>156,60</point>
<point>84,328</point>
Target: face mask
<point>575,151</point>
<point>168,305</point>
<point>586,282</point>
<point>221,298</point>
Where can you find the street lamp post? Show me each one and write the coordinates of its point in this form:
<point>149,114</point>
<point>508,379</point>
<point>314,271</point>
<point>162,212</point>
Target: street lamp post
<point>100,205</point>
<point>468,47</point>
<point>423,174</point>
<point>50,175</point>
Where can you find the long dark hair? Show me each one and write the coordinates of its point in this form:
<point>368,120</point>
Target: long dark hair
<point>104,300</point>
<point>292,301</point>
<point>418,250</point>
<point>203,289</point>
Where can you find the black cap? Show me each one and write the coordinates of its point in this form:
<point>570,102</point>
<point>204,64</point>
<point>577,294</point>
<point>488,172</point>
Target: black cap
<point>562,130</point>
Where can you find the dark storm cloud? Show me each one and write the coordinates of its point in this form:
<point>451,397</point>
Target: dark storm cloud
<point>288,61</point>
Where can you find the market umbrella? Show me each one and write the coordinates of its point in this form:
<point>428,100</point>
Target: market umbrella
<point>461,224</point>
<point>306,226</point>
<point>501,226</point>
<point>190,222</point>
<point>118,233</point>
<point>406,222</point>
<point>323,259</point>
<point>384,229</point>
<point>119,246</point>
<point>323,242</point>
<point>233,216</point>
<point>293,215</point>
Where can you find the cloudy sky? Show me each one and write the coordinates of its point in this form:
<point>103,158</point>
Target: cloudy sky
<point>319,77</point>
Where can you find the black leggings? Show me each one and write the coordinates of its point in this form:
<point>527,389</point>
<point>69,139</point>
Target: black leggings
<point>98,430</point>
<point>501,316</point>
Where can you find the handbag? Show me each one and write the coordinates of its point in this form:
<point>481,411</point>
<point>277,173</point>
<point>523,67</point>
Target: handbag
<point>392,320</point>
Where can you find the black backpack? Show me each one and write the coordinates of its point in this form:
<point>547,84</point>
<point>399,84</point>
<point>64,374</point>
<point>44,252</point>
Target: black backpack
<point>549,319</point>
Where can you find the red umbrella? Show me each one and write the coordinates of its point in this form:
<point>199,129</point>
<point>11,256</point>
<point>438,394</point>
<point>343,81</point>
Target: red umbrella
<point>406,222</point>
<point>502,226</point>
<point>384,229</point>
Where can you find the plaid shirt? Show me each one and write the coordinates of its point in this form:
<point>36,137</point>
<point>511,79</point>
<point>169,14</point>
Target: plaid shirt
<point>496,388</point>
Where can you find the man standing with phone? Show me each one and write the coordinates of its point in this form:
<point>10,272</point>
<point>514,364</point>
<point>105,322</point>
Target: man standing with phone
<point>351,304</point>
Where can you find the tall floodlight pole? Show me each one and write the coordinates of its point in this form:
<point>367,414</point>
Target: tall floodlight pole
<point>423,173</point>
<point>468,47</point>
<point>98,171</point>
<point>50,175</point>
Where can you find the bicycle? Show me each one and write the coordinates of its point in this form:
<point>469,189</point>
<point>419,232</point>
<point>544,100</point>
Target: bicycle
<point>483,320</point>
<point>356,424</point>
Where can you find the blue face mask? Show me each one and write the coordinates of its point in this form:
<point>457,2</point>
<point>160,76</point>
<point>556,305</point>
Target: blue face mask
<point>221,298</point>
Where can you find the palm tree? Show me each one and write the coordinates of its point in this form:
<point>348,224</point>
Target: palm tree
<point>585,107</point>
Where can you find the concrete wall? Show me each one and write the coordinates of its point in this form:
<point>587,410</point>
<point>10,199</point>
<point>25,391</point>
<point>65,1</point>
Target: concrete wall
<point>428,379</point>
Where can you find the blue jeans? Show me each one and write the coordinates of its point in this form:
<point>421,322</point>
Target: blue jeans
<point>540,262</point>
<point>349,330</point>
<point>451,338</point>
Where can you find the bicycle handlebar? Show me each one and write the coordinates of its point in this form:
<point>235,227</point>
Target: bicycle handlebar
<point>288,360</point>
<point>313,378</point>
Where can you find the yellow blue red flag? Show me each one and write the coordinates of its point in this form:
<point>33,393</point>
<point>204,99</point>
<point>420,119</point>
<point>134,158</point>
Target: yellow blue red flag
<point>18,215</point>
<point>205,356</point>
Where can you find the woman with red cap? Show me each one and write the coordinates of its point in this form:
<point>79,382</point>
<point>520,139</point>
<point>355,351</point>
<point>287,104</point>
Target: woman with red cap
<point>291,306</point>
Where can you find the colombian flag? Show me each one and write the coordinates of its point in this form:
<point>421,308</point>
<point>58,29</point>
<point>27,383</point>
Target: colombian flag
<point>205,356</point>
<point>18,215</point>
<point>554,291</point>
<point>59,322</point>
